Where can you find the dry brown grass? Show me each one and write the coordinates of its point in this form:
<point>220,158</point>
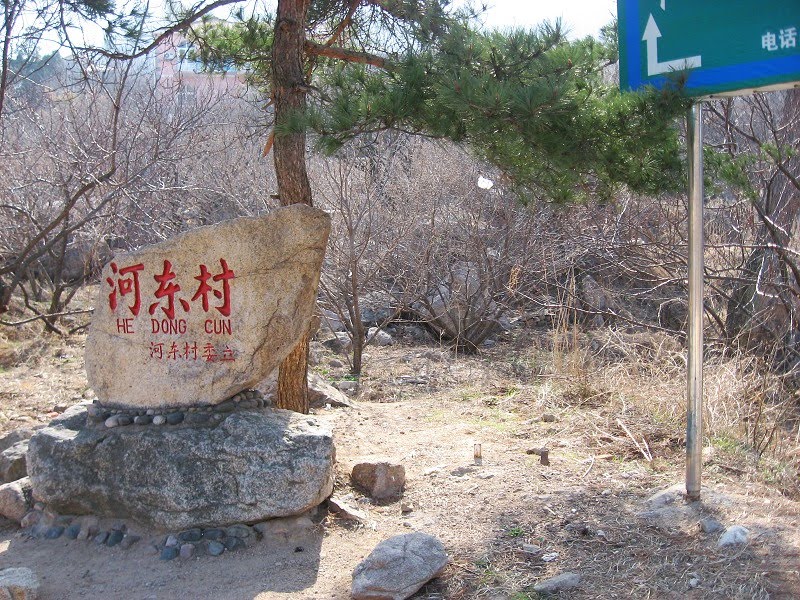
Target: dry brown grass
<point>635,380</point>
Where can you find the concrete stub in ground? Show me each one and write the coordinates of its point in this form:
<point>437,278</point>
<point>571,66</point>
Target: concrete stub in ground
<point>198,318</point>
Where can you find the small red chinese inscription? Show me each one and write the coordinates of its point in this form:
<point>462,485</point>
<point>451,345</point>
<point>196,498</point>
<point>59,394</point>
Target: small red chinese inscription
<point>191,352</point>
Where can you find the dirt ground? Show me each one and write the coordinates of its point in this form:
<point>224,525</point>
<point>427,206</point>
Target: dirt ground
<point>426,409</point>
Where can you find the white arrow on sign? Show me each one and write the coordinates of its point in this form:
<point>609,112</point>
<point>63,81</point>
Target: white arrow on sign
<point>651,35</point>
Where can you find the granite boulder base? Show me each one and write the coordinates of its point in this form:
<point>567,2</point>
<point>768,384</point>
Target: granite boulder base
<point>199,318</point>
<point>253,466</point>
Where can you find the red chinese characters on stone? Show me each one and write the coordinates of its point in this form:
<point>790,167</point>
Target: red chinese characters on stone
<point>177,350</point>
<point>167,290</point>
<point>210,353</point>
<point>211,286</point>
<point>204,289</point>
<point>127,282</point>
<point>128,289</point>
<point>156,350</point>
<point>190,350</point>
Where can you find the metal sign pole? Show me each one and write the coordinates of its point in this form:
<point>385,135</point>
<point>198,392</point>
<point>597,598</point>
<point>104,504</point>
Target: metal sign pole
<point>694,414</point>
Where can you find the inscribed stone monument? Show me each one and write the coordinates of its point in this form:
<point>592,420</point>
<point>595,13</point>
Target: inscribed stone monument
<point>181,331</point>
<point>198,318</point>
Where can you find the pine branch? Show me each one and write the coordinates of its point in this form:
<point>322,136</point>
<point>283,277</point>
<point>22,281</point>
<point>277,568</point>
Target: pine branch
<point>351,56</point>
<point>179,26</point>
<point>344,24</point>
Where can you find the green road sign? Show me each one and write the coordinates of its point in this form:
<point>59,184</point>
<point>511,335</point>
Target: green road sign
<point>720,46</point>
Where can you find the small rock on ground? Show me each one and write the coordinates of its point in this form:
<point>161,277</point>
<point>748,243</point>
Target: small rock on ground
<point>215,548</point>
<point>347,386</point>
<point>565,581</point>
<point>709,525</point>
<point>345,511</point>
<point>321,393</point>
<point>19,584</point>
<point>380,337</point>
<point>531,548</point>
<point>114,538</point>
<point>15,499</point>
<point>381,480</point>
<point>187,551</point>
<point>734,536</point>
<point>398,567</point>
<point>671,495</point>
<point>286,527</point>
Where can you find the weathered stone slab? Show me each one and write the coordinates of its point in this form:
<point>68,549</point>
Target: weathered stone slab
<point>255,465</point>
<point>196,319</point>
<point>398,567</point>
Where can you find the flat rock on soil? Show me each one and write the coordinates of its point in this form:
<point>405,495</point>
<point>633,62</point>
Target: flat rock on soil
<point>254,465</point>
<point>398,567</point>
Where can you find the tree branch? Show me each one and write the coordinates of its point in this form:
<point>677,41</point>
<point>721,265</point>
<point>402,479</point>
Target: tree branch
<point>352,56</point>
<point>178,26</point>
<point>344,24</point>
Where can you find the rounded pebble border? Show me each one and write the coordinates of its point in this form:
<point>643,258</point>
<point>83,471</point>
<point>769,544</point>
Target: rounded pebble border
<point>190,543</point>
<point>45,525</point>
<point>101,416</point>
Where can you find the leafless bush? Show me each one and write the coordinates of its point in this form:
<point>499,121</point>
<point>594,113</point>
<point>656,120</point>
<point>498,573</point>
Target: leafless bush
<point>412,229</point>
<point>112,158</point>
<point>367,227</point>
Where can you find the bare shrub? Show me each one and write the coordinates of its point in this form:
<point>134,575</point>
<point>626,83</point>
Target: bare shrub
<point>468,250</point>
<point>112,159</point>
<point>367,227</point>
<point>412,230</point>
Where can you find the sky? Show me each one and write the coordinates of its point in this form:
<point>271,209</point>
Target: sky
<point>580,17</point>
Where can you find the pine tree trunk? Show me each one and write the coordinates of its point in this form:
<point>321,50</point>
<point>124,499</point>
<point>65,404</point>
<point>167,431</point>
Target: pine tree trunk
<point>289,152</point>
<point>293,379</point>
